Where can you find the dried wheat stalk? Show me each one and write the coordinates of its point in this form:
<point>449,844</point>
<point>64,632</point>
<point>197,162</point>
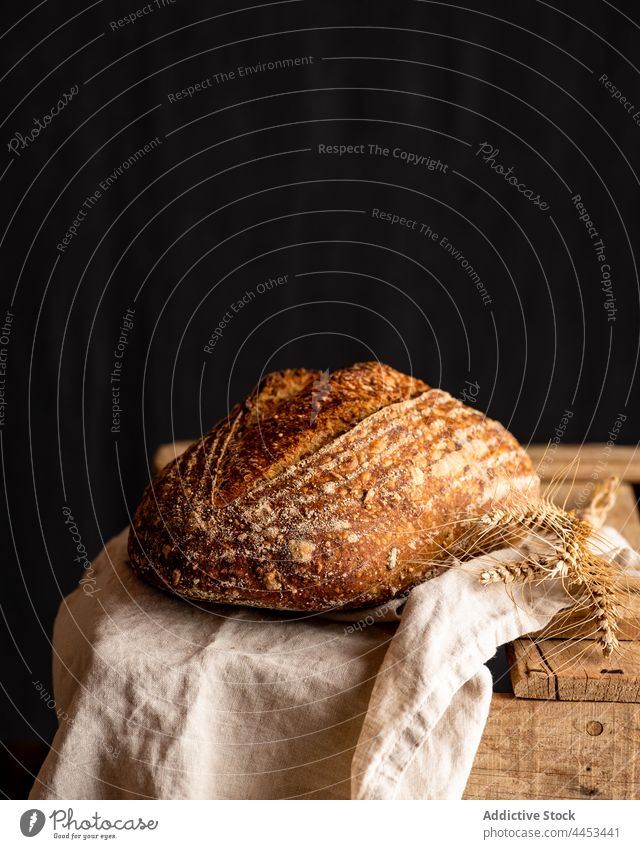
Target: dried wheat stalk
<point>587,576</point>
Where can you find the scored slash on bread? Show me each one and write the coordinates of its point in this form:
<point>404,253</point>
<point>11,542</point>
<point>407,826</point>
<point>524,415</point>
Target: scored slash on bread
<point>305,500</point>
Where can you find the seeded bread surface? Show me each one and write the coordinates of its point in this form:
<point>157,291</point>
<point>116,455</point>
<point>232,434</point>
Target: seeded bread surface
<point>325,491</point>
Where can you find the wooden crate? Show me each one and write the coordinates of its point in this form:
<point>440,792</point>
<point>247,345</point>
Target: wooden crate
<point>572,728</point>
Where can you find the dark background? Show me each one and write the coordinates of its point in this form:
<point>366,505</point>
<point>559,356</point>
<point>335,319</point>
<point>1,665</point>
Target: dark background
<point>237,192</point>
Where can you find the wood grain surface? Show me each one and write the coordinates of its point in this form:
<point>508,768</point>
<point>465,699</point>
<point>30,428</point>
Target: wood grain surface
<point>574,670</point>
<point>582,461</point>
<point>535,749</point>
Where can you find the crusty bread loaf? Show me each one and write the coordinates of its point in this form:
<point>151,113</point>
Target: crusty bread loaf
<point>324,491</point>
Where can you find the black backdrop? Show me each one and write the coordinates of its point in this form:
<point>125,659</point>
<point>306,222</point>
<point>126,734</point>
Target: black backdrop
<point>510,300</point>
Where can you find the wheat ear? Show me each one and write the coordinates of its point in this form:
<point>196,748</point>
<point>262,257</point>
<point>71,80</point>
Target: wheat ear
<point>570,558</point>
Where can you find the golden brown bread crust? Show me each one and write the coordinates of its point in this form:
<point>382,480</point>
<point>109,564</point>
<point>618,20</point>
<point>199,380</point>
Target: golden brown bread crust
<point>320,492</point>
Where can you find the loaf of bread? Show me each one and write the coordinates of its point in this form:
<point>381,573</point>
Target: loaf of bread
<point>325,491</point>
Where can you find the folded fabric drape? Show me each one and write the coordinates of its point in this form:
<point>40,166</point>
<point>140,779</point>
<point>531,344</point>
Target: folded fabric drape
<point>158,698</point>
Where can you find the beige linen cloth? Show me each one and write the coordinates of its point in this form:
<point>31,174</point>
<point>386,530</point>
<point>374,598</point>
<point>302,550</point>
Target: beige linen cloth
<point>159,698</point>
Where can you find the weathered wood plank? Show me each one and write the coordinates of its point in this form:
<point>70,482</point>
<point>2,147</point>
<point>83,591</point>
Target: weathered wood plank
<point>557,750</point>
<point>574,670</point>
<point>582,461</point>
